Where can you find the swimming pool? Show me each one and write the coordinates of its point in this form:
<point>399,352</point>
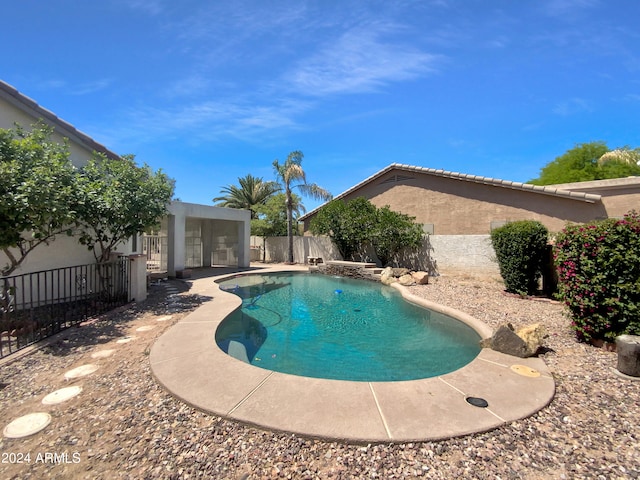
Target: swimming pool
<point>319,326</point>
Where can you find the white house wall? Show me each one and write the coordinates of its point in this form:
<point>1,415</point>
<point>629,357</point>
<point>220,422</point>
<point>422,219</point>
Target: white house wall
<point>10,115</point>
<point>64,251</point>
<point>223,235</point>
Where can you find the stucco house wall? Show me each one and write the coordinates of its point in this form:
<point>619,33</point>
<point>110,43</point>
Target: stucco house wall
<point>223,233</point>
<point>449,203</point>
<point>64,251</point>
<point>16,107</point>
<point>455,207</point>
<point>459,211</point>
<point>618,195</point>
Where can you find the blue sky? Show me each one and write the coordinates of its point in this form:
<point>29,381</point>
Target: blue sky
<point>210,91</point>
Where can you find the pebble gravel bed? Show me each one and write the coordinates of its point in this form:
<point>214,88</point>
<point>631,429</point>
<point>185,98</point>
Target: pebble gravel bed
<point>124,425</point>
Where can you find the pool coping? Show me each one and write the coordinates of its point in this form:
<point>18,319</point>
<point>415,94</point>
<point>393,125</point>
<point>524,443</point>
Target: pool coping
<point>188,364</point>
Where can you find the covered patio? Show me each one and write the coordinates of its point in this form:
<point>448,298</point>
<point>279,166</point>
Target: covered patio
<point>193,236</point>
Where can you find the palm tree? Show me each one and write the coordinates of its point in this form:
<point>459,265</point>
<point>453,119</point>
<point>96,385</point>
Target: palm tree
<point>287,173</point>
<point>252,191</point>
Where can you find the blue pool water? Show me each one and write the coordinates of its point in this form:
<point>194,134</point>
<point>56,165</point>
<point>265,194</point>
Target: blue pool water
<point>338,328</point>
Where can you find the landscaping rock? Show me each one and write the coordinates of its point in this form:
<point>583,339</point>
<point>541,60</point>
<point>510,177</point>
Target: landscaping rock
<point>533,335</point>
<point>506,340</point>
<point>398,272</point>
<point>387,277</point>
<point>406,279</point>
<point>421,278</point>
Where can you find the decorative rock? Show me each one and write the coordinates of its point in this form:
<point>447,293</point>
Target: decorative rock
<point>406,279</point>
<point>533,336</point>
<point>523,343</point>
<point>421,278</point>
<point>505,340</point>
<point>398,272</point>
<point>387,277</point>
<point>628,348</point>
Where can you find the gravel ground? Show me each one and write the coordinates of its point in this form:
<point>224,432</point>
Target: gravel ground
<point>123,425</point>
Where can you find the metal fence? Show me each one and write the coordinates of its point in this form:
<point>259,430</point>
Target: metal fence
<point>37,305</point>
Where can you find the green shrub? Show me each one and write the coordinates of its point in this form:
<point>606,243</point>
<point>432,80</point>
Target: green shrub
<point>520,247</point>
<point>599,276</point>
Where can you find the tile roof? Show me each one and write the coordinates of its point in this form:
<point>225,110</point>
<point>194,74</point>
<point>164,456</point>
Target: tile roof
<point>495,182</point>
<point>32,108</point>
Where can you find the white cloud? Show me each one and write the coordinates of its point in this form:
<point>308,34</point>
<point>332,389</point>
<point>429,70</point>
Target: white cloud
<point>187,86</point>
<point>91,87</point>
<point>572,106</point>
<point>152,7</point>
<point>77,89</point>
<point>359,61</point>
<point>557,8</point>
<point>208,121</point>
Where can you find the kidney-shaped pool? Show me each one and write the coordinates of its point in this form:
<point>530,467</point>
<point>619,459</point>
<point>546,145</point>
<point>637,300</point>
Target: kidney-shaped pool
<point>320,326</point>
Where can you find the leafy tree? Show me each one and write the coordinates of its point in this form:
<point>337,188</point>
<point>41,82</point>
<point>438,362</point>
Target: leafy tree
<point>287,174</point>
<point>356,224</point>
<point>271,218</point>
<point>350,225</point>
<point>251,193</point>
<point>619,163</point>
<point>394,232</point>
<point>37,191</point>
<point>583,163</point>
<point>118,199</point>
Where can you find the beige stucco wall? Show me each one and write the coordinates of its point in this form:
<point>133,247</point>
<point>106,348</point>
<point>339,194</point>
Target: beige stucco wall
<point>64,251</point>
<point>621,201</point>
<point>9,115</point>
<point>458,207</point>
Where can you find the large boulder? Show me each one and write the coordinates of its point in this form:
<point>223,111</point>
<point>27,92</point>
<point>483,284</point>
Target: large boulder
<point>387,277</point>
<point>533,336</point>
<point>398,272</point>
<point>406,279</point>
<point>421,278</point>
<point>524,343</point>
<point>506,340</point>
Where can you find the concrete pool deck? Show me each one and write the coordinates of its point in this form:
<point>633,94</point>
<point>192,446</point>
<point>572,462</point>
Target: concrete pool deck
<point>187,362</point>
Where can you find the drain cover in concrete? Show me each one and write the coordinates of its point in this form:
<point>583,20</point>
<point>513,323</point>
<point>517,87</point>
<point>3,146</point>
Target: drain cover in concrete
<point>27,425</point>
<point>102,353</point>
<point>126,339</point>
<point>81,371</point>
<point>164,318</point>
<point>525,371</point>
<point>61,395</point>
<point>145,328</point>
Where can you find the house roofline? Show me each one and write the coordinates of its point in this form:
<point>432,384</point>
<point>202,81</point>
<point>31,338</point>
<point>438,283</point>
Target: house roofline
<point>32,108</point>
<point>608,184</point>
<point>495,182</point>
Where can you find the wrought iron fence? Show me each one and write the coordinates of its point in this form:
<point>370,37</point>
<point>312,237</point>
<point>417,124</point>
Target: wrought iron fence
<point>36,305</point>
